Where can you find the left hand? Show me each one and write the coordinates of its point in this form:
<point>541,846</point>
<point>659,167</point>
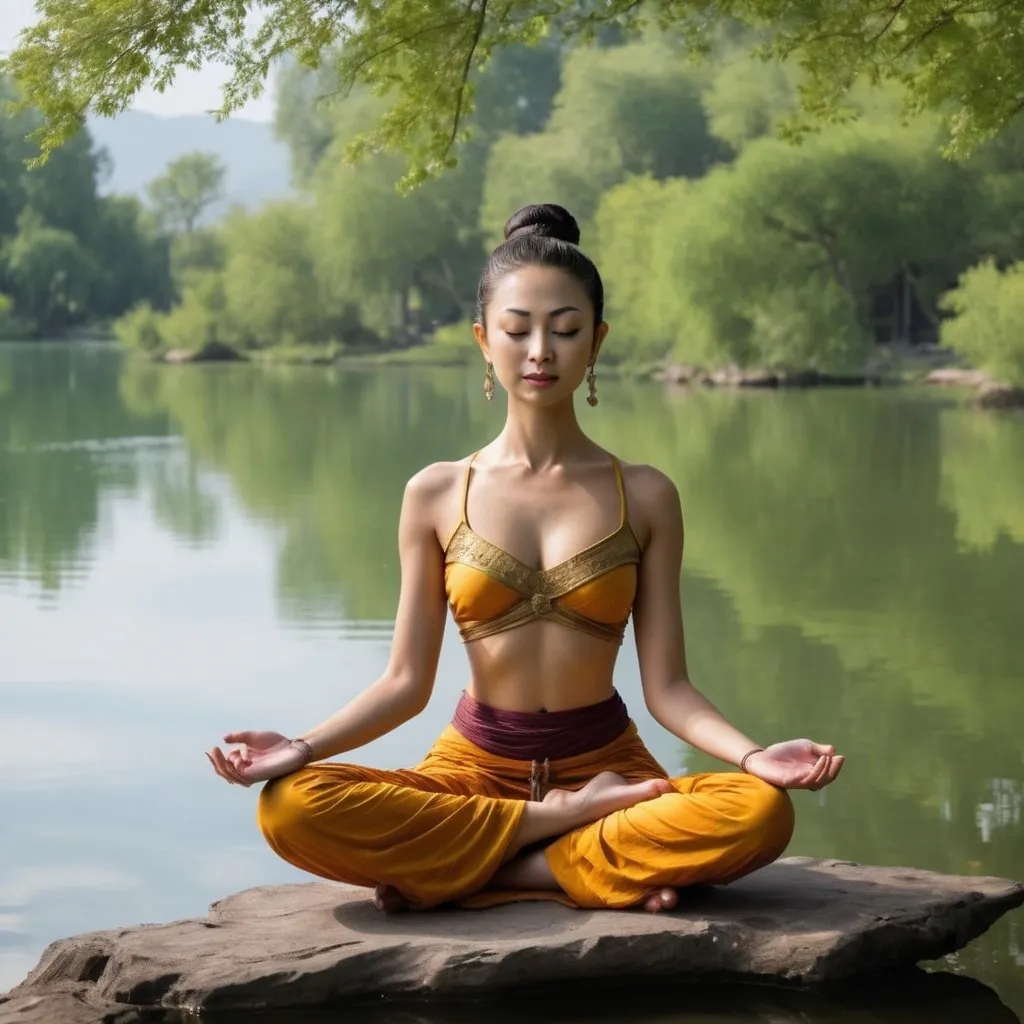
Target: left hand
<point>796,764</point>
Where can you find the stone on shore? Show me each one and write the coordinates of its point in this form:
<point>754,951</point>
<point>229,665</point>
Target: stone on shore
<point>738,377</point>
<point>211,352</point>
<point>954,377</point>
<point>801,922</point>
<point>999,396</point>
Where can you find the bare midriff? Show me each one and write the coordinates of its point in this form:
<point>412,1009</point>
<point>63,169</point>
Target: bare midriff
<point>541,666</point>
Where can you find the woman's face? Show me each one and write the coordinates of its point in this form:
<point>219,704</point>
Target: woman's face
<point>540,334</point>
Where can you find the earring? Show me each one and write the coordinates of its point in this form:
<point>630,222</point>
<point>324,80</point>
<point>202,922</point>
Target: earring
<point>591,386</point>
<point>489,382</point>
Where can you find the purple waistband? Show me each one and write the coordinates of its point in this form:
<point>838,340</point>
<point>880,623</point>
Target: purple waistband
<point>536,735</point>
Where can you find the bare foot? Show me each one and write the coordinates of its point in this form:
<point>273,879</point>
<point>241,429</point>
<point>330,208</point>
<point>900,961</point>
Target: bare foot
<point>389,899</point>
<point>603,794</point>
<point>661,899</point>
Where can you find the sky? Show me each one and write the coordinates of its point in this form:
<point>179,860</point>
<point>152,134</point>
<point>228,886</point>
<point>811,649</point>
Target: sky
<point>192,93</point>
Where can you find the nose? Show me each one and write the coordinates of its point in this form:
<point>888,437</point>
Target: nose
<point>540,345</point>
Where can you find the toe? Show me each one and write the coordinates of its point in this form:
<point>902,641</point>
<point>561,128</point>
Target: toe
<point>661,899</point>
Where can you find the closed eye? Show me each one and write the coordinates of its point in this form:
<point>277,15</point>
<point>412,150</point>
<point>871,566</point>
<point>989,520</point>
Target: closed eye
<point>557,334</point>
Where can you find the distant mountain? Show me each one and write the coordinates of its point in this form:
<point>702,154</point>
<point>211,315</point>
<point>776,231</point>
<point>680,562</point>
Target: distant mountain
<point>142,145</point>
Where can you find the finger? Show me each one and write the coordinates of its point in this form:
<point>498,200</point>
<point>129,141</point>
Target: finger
<point>834,768</point>
<point>813,778</point>
<point>217,768</point>
<point>239,737</point>
<point>219,765</point>
<point>227,769</point>
<point>239,759</point>
<point>822,749</point>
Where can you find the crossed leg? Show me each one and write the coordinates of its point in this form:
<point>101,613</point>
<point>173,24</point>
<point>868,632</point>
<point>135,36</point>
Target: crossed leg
<point>421,839</point>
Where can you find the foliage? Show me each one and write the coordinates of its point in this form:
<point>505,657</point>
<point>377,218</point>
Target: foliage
<point>50,273</point>
<point>778,258</point>
<point>633,109</point>
<point>68,254</point>
<point>270,287</point>
<point>139,329</point>
<point>188,187</point>
<point>958,58</point>
<point>719,243</point>
<point>988,308</point>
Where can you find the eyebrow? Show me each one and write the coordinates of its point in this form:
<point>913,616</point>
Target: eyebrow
<point>554,312</point>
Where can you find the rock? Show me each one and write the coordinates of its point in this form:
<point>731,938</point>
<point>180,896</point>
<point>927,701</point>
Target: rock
<point>677,373</point>
<point>758,379</point>
<point>999,396</point>
<point>211,352</point>
<point>935,997</point>
<point>737,377</point>
<point>800,922</point>
<point>950,376</point>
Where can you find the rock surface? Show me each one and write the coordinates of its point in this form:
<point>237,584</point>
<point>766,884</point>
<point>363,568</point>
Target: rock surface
<point>737,377</point>
<point>212,352</point>
<point>800,922</point>
<point>953,377</point>
<point>999,396</point>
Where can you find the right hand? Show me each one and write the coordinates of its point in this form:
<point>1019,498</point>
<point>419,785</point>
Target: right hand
<point>258,757</point>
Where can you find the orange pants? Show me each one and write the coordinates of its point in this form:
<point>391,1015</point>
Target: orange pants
<point>438,833</point>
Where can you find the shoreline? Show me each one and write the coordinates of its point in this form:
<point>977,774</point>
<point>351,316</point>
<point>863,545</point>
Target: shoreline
<point>928,366</point>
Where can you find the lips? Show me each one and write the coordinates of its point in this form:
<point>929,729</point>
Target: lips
<point>539,377</point>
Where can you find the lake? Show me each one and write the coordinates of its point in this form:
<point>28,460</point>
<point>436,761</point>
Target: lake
<point>190,550</point>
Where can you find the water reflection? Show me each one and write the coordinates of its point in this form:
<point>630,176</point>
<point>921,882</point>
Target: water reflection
<point>854,566</point>
<point>65,438</point>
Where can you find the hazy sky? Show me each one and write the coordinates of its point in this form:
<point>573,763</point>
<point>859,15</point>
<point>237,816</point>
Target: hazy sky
<point>192,93</point>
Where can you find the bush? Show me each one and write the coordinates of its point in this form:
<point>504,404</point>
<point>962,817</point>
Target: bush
<point>139,329</point>
<point>456,335</point>
<point>988,308</point>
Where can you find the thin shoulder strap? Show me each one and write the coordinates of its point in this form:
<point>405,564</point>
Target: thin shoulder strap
<point>465,488</point>
<point>621,484</point>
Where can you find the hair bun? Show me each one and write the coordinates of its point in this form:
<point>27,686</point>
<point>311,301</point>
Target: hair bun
<point>545,219</point>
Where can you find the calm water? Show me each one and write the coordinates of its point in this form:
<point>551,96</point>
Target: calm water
<point>185,551</point>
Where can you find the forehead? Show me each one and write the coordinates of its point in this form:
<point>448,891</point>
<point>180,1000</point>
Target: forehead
<point>538,290</point>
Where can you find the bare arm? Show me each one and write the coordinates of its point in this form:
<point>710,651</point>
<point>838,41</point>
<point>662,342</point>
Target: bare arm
<point>671,698</point>
<point>404,689</point>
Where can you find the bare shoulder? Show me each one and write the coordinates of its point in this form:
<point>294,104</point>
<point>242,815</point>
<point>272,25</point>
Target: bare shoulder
<point>653,500</point>
<point>433,482</point>
<point>648,488</point>
<point>432,493</point>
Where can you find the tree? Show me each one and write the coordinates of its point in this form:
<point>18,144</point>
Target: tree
<point>632,109</point>
<point>180,195</point>
<point>51,276</point>
<point>780,259</point>
<point>960,58</point>
<point>270,284</point>
<point>989,308</point>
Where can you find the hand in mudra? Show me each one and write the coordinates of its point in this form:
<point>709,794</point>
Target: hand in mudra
<point>796,764</point>
<point>259,756</point>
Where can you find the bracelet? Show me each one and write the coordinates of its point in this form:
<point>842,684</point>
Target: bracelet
<point>748,755</point>
<point>305,746</point>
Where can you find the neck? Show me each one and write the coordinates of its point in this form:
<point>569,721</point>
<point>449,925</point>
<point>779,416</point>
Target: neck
<point>543,437</point>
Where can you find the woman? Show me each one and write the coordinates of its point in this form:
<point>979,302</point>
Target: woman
<point>542,544</point>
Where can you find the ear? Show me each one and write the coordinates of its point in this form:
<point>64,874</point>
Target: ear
<point>480,333</point>
<point>600,333</point>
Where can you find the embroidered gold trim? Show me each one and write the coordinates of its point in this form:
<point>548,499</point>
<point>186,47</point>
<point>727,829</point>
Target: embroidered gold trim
<point>540,587</point>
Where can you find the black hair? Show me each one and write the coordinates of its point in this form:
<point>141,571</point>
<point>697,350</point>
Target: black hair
<point>541,235</point>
